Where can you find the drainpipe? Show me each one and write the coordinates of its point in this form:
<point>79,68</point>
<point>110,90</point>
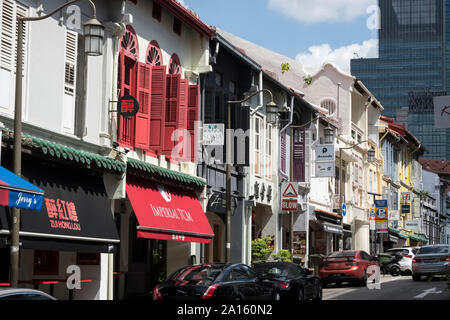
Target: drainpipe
<point>120,31</point>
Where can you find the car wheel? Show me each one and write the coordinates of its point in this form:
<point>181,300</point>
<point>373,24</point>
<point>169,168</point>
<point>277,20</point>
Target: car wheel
<point>300,294</point>
<point>319,292</point>
<point>363,281</point>
<point>395,271</point>
<point>416,277</point>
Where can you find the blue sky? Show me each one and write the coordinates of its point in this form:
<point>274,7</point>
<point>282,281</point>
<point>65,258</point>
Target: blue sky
<point>311,31</point>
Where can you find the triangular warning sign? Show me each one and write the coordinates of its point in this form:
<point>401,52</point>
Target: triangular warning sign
<point>290,192</point>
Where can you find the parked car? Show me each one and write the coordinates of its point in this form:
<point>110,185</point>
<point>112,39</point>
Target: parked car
<point>408,255</point>
<point>291,280</point>
<point>11,294</point>
<point>431,260</point>
<point>346,266</point>
<point>215,281</point>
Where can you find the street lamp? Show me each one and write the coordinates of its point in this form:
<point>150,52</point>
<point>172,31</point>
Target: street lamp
<point>271,113</point>
<point>94,32</point>
<point>328,134</point>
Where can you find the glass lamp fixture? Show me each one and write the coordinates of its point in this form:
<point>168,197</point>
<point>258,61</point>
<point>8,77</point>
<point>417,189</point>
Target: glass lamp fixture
<point>94,33</point>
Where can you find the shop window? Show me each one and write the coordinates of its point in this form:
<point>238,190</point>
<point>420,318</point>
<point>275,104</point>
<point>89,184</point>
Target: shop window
<point>157,11</point>
<point>46,262</point>
<point>177,26</point>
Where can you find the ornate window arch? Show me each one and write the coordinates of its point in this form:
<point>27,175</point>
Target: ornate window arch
<point>174,65</point>
<point>129,43</point>
<point>330,105</point>
<point>154,55</point>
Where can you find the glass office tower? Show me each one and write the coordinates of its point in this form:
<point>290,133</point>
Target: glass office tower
<point>412,67</point>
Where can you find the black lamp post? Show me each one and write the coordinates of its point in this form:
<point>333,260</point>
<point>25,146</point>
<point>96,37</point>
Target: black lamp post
<point>272,114</point>
<point>94,32</point>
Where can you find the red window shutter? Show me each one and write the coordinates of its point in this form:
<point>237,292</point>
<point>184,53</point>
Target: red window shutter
<point>126,84</point>
<point>157,111</point>
<point>182,120</point>
<point>283,152</point>
<point>143,89</point>
<point>193,117</point>
<point>171,116</point>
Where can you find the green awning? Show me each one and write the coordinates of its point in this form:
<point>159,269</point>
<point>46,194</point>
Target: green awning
<point>57,150</point>
<point>419,237</point>
<point>166,173</point>
<point>398,233</point>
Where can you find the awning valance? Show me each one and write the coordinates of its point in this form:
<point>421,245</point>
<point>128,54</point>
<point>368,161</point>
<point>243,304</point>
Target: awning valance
<point>19,193</point>
<point>76,212</point>
<point>168,213</point>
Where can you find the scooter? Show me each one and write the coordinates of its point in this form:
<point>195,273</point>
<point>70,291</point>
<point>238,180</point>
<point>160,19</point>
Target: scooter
<point>392,266</point>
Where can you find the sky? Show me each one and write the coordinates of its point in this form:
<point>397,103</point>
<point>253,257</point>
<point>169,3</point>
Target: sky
<point>310,31</point>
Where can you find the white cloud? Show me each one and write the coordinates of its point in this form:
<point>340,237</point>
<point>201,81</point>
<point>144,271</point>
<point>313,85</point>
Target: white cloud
<point>317,55</point>
<point>307,11</point>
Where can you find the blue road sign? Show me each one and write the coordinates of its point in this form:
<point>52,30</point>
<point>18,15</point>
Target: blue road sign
<point>344,209</point>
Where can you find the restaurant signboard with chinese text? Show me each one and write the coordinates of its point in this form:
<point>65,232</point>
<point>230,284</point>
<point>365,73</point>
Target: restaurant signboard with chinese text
<point>127,106</point>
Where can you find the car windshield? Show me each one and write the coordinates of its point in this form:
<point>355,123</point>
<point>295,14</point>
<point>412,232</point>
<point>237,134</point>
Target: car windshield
<point>198,274</point>
<point>434,249</point>
<point>271,270</point>
<point>342,254</point>
<point>403,252</point>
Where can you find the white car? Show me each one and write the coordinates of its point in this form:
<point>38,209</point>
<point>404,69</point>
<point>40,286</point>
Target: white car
<point>408,255</point>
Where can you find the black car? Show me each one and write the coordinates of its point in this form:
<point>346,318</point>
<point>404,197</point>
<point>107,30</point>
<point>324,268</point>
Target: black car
<point>215,281</point>
<point>292,280</point>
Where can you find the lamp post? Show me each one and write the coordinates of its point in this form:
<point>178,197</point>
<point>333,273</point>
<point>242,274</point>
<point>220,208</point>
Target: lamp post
<point>94,32</point>
<point>370,159</point>
<point>329,137</point>
<point>272,113</point>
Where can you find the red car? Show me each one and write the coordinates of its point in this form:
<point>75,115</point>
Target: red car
<point>346,266</point>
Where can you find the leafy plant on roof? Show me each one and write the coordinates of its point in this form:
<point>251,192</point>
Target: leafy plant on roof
<point>308,79</point>
<point>285,67</point>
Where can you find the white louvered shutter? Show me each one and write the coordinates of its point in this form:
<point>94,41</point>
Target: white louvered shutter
<point>70,73</point>
<point>70,62</point>
<point>10,10</point>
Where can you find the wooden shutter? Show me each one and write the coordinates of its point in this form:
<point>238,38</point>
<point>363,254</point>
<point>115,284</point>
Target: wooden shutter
<point>127,85</point>
<point>182,119</point>
<point>157,111</point>
<point>171,114</point>
<point>142,128</point>
<point>192,117</point>
<point>283,152</point>
<point>298,156</point>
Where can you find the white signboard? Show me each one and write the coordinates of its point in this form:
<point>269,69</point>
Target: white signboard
<point>213,134</point>
<point>325,169</point>
<point>325,152</point>
<point>442,112</point>
<point>372,225</point>
<point>412,225</point>
<point>394,215</point>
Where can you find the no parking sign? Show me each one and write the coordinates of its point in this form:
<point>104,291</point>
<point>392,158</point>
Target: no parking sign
<point>381,216</point>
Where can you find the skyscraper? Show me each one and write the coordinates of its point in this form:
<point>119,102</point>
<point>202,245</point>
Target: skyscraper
<point>412,67</point>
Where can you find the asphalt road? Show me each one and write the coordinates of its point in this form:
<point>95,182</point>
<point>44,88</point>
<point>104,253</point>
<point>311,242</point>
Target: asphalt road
<point>391,288</point>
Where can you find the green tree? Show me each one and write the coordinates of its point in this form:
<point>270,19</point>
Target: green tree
<point>260,249</point>
<point>285,67</point>
<point>282,256</point>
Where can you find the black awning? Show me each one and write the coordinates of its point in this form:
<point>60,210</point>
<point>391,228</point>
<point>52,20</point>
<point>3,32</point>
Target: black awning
<point>76,212</point>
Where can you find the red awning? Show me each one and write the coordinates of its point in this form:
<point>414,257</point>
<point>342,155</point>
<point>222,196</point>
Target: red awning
<point>168,213</point>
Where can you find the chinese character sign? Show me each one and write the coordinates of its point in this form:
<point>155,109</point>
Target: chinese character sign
<point>62,214</point>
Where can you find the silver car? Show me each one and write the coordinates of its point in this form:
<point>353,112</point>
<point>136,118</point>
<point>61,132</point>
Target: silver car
<point>12,294</point>
<point>431,260</point>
